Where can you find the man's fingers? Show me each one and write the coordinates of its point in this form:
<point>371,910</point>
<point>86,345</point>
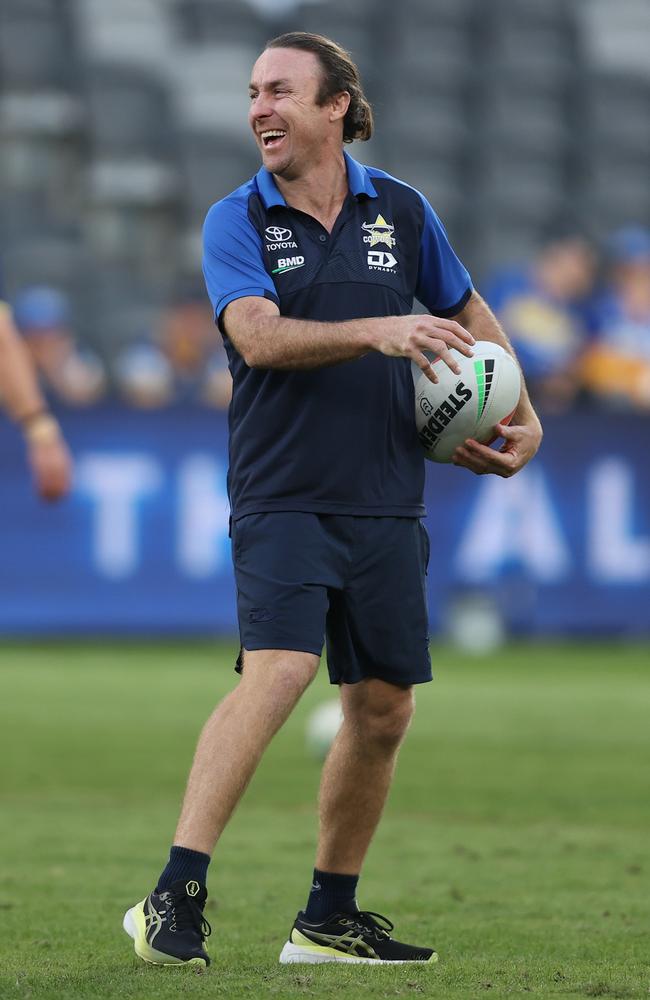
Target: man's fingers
<point>467,461</point>
<point>423,362</point>
<point>506,431</point>
<point>447,340</point>
<point>448,358</point>
<point>489,454</point>
<point>441,349</point>
<point>447,332</point>
<point>479,465</point>
<point>482,459</point>
<point>456,328</point>
<point>442,353</point>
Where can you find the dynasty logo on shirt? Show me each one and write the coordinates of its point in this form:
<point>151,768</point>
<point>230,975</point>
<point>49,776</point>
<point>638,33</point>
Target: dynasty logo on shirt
<point>381,260</point>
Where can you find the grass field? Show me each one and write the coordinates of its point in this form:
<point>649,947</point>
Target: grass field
<point>515,841</point>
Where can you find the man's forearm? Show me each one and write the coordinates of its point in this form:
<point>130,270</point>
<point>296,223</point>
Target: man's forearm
<point>19,390</point>
<point>478,318</point>
<point>266,340</point>
<point>282,343</point>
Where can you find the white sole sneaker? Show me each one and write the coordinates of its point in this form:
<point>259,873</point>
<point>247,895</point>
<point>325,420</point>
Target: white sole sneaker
<point>293,954</point>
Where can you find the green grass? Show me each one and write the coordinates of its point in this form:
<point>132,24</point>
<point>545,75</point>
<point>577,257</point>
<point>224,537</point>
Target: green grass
<point>515,839</point>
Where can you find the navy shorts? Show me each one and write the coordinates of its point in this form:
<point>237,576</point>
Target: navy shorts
<point>356,583</point>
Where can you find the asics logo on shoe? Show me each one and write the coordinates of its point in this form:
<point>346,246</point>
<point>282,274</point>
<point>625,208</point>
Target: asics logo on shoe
<point>351,942</point>
<point>153,921</point>
<point>192,888</point>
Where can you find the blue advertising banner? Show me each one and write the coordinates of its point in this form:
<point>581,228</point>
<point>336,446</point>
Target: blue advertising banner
<point>142,544</point>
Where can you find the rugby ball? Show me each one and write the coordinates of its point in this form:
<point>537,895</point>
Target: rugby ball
<point>468,405</point>
<point>322,726</point>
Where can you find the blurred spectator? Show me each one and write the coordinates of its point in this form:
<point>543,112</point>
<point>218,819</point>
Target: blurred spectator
<point>69,374</point>
<point>616,368</point>
<point>144,376</point>
<point>186,361</point>
<point>542,307</point>
<point>195,349</point>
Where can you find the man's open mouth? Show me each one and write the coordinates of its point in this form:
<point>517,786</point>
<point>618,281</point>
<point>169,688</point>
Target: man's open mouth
<point>272,137</point>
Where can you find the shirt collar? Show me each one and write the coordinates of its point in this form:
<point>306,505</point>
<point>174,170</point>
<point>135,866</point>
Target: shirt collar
<point>358,181</point>
<point>358,178</point>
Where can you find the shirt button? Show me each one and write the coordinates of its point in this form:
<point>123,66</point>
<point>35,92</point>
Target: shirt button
<point>323,238</point>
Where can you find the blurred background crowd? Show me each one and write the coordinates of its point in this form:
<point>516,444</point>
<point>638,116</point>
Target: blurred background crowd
<point>525,122</point>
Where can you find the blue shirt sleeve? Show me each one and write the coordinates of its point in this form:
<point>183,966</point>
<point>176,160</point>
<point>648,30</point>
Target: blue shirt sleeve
<point>444,285</point>
<point>232,257</point>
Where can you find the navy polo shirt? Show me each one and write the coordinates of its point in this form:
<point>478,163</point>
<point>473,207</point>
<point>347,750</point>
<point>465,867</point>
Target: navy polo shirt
<point>339,439</point>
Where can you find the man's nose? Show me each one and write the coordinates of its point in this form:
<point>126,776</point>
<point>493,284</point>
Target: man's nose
<point>260,109</point>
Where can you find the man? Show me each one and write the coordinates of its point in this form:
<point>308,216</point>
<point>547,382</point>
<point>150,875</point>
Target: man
<point>616,365</point>
<point>543,305</point>
<point>325,481</point>
<point>20,395</point>
<point>69,374</point>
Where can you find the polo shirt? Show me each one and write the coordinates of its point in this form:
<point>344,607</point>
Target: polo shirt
<point>339,439</point>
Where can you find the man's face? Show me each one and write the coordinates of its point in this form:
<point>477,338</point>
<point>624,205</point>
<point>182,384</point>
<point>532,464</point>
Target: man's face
<point>290,128</point>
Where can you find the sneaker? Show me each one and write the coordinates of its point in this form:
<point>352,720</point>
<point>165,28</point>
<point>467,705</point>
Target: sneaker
<point>168,927</point>
<point>350,937</point>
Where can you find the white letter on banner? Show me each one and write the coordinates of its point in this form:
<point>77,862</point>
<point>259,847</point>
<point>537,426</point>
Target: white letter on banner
<point>513,521</point>
<point>615,555</point>
<point>203,512</point>
<point>116,483</point>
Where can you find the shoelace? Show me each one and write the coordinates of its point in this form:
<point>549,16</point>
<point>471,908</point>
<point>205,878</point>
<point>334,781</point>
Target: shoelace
<point>189,915</point>
<point>368,920</point>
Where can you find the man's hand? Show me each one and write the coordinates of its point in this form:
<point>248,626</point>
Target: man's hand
<point>411,336</point>
<point>521,444</point>
<point>49,458</point>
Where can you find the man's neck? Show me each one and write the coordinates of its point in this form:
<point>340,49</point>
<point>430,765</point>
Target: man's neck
<point>320,191</point>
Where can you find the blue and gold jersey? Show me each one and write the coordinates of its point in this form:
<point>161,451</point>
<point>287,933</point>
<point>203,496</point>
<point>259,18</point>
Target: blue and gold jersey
<point>338,439</point>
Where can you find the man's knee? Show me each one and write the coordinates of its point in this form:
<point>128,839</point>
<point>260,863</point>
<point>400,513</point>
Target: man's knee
<point>286,673</point>
<point>379,712</point>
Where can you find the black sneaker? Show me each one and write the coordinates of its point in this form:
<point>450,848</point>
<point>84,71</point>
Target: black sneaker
<point>168,928</point>
<point>350,937</point>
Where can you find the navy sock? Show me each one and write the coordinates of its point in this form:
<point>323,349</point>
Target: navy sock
<point>331,893</point>
<point>186,864</point>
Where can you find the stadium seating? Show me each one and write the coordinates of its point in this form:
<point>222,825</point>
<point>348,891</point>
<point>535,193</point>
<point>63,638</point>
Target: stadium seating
<point>127,111</point>
<point>122,122</point>
<point>35,45</point>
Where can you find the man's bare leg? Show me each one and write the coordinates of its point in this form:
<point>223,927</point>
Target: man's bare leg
<point>358,771</point>
<point>235,737</point>
<point>355,783</point>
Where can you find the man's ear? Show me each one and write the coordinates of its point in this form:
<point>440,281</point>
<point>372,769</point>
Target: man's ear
<point>339,105</point>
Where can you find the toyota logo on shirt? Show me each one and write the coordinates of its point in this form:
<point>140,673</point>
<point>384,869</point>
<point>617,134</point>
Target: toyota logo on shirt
<point>279,238</point>
<point>277,234</point>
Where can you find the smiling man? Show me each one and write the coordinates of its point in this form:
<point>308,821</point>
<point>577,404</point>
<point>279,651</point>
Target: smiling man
<point>312,268</point>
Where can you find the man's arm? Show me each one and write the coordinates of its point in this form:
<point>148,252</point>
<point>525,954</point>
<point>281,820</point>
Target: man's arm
<point>265,339</point>
<point>20,394</point>
<point>523,435</point>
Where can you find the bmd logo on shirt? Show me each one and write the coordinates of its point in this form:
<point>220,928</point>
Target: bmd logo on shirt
<point>288,264</point>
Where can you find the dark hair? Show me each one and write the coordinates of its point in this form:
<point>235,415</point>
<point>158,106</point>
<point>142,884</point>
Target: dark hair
<point>339,74</point>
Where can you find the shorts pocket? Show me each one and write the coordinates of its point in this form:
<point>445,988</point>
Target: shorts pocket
<point>426,546</point>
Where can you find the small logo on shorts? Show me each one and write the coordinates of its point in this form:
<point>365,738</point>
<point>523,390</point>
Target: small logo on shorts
<point>259,615</point>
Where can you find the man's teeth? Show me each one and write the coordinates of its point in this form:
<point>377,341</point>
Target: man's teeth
<point>272,134</point>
